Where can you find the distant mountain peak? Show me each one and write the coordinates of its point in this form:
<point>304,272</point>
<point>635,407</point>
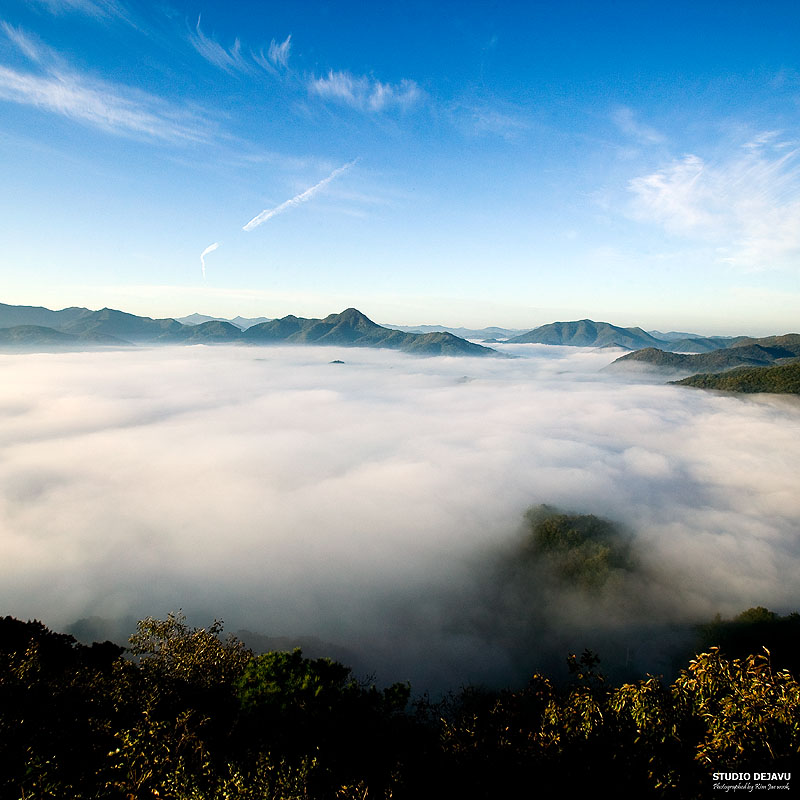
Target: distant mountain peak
<point>587,333</point>
<point>351,328</point>
<point>351,316</point>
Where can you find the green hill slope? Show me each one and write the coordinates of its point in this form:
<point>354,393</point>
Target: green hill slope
<point>587,333</point>
<point>25,336</point>
<point>745,353</point>
<point>781,379</point>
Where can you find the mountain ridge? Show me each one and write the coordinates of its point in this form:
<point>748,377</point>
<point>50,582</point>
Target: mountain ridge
<point>747,352</point>
<point>243,323</point>
<point>352,328</point>
<point>588,333</point>
<point>491,332</point>
<point>80,326</point>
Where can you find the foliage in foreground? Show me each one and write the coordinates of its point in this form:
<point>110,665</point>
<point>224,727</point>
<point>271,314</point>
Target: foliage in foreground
<point>192,716</point>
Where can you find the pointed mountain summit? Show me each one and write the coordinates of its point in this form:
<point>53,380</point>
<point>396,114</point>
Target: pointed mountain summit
<point>348,327</point>
<point>351,328</point>
<point>353,318</point>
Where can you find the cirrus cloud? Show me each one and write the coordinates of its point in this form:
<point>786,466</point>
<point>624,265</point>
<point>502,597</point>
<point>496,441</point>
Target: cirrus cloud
<point>59,89</point>
<point>746,203</point>
<point>235,59</point>
<point>365,93</point>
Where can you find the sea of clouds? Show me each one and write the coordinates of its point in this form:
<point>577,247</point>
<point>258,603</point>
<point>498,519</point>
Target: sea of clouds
<point>361,502</point>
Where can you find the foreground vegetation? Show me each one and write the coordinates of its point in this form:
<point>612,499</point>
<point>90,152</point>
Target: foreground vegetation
<point>186,713</point>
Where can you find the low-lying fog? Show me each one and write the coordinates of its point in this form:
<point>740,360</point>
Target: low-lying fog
<point>363,503</point>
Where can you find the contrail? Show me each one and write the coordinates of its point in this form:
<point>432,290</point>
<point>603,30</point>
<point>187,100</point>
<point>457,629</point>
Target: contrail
<point>209,249</point>
<point>268,213</point>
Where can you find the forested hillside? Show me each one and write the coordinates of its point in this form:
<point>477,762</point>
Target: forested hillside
<point>783,379</point>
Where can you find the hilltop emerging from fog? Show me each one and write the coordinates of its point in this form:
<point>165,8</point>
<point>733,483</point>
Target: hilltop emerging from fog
<point>677,353</point>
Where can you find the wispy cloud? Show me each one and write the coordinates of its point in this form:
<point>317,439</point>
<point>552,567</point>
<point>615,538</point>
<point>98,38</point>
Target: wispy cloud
<point>625,119</point>
<point>97,103</point>
<point>97,9</point>
<point>680,196</point>
<point>58,89</point>
<point>235,58</point>
<point>228,59</point>
<point>747,203</point>
<point>279,53</point>
<point>365,93</point>
<point>31,49</point>
<point>484,120</point>
<point>210,249</point>
<point>303,197</point>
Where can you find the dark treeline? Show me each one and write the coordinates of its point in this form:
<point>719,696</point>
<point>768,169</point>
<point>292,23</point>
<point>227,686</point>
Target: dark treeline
<point>185,713</point>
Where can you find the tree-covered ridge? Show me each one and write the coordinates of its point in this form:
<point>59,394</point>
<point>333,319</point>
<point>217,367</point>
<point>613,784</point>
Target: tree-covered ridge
<point>750,355</point>
<point>37,335</point>
<point>189,715</point>
<point>737,352</point>
<point>588,333</point>
<point>782,379</point>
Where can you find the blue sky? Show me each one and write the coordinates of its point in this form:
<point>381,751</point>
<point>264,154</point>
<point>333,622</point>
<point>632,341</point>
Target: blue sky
<point>464,164</point>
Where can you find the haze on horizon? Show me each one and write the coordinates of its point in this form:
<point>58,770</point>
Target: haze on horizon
<point>451,164</point>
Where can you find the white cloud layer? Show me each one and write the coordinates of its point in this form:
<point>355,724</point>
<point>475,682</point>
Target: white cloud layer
<point>354,501</point>
<point>748,203</point>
